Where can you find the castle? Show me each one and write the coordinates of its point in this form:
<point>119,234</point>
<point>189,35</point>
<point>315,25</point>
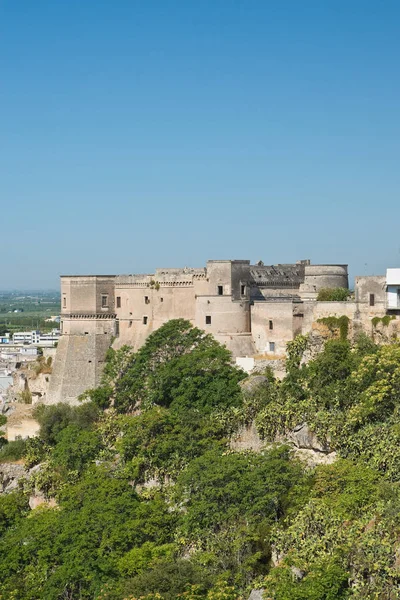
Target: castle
<point>253,309</point>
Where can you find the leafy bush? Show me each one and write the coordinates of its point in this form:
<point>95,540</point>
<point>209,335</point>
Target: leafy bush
<point>333,294</point>
<point>12,451</point>
<point>53,419</point>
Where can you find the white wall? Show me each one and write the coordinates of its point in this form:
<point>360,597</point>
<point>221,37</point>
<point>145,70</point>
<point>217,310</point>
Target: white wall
<point>393,295</point>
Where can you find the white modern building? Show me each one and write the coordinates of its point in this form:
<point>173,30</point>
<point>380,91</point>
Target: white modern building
<point>393,289</point>
<point>36,338</point>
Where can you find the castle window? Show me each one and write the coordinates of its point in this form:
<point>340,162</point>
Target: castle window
<point>117,327</point>
<point>271,325</point>
<point>118,301</point>
<point>146,300</point>
<point>104,301</point>
<point>243,290</point>
<point>64,301</point>
<point>145,320</point>
<point>130,324</point>
<point>372,299</point>
<point>161,299</point>
<point>272,346</point>
<point>220,290</point>
<point>208,319</point>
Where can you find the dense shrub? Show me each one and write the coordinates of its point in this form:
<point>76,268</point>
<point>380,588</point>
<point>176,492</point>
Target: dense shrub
<point>333,294</point>
<point>153,503</point>
<point>12,451</point>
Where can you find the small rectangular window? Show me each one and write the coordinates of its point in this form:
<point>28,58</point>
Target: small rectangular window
<point>208,319</point>
<point>243,290</point>
<point>144,320</point>
<point>104,301</point>
<point>64,302</point>
<point>118,301</point>
<point>117,327</point>
<point>130,324</point>
<point>146,300</point>
<point>220,290</point>
<point>372,299</point>
<point>161,299</point>
<point>272,346</point>
<point>271,325</point>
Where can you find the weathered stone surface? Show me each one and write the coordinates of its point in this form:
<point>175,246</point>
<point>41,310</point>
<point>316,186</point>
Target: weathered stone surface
<point>10,475</point>
<point>39,499</point>
<point>313,458</point>
<point>247,438</point>
<point>298,573</point>
<point>252,384</point>
<point>303,437</point>
<point>256,595</point>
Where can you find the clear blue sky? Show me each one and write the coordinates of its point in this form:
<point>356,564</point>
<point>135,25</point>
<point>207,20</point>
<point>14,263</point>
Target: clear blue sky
<point>142,134</point>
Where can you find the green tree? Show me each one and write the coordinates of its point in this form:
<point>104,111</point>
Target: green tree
<point>333,294</point>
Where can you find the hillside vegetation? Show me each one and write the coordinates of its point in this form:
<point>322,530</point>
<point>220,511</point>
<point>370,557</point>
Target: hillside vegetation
<point>151,502</point>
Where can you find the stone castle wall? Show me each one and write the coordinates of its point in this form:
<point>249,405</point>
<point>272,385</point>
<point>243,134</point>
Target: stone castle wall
<point>253,309</point>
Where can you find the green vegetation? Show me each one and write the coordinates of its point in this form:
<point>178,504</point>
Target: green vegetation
<point>12,451</point>
<point>385,320</point>
<point>34,307</point>
<point>340,324</point>
<point>333,294</point>
<point>153,503</point>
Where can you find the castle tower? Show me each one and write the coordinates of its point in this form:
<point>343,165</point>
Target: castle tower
<point>87,329</point>
<point>224,309</point>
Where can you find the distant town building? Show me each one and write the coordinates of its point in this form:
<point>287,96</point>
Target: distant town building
<point>36,338</point>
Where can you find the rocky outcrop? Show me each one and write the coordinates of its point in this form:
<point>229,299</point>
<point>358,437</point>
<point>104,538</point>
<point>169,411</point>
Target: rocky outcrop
<point>315,345</point>
<point>252,384</point>
<point>10,475</point>
<point>256,595</point>
<point>14,475</point>
<point>247,438</point>
<point>312,458</point>
<point>302,437</point>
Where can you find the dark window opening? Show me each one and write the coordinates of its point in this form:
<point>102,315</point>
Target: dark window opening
<point>144,320</point>
<point>372,299</point>
<point>220,290</point>
<point>104,301</point>
<point>271,325</point>
<point>146,300</point>
<point>243,290</point>
<point>64,302</point>
<point>86,333</point>
<point>161,299</point>
<point>118,301</point>
<point>272,346</point>
<point>208,320</point>
<point>130,324</point>
<point>116,327</point>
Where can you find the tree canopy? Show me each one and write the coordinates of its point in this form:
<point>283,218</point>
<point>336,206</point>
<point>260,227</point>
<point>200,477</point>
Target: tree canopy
<point>149,500</point>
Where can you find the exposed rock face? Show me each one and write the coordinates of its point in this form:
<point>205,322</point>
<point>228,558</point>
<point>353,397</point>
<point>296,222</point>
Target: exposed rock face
<point>39,499</point>
<point>247,438</point>
<point>277,365</point>
<point>10,474</point>
<point>312,459</point>
<point>20,422</point>
<point>256,595</point>
<point>303,437</point>
<point>315,345</point>
<point>252,384</point>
